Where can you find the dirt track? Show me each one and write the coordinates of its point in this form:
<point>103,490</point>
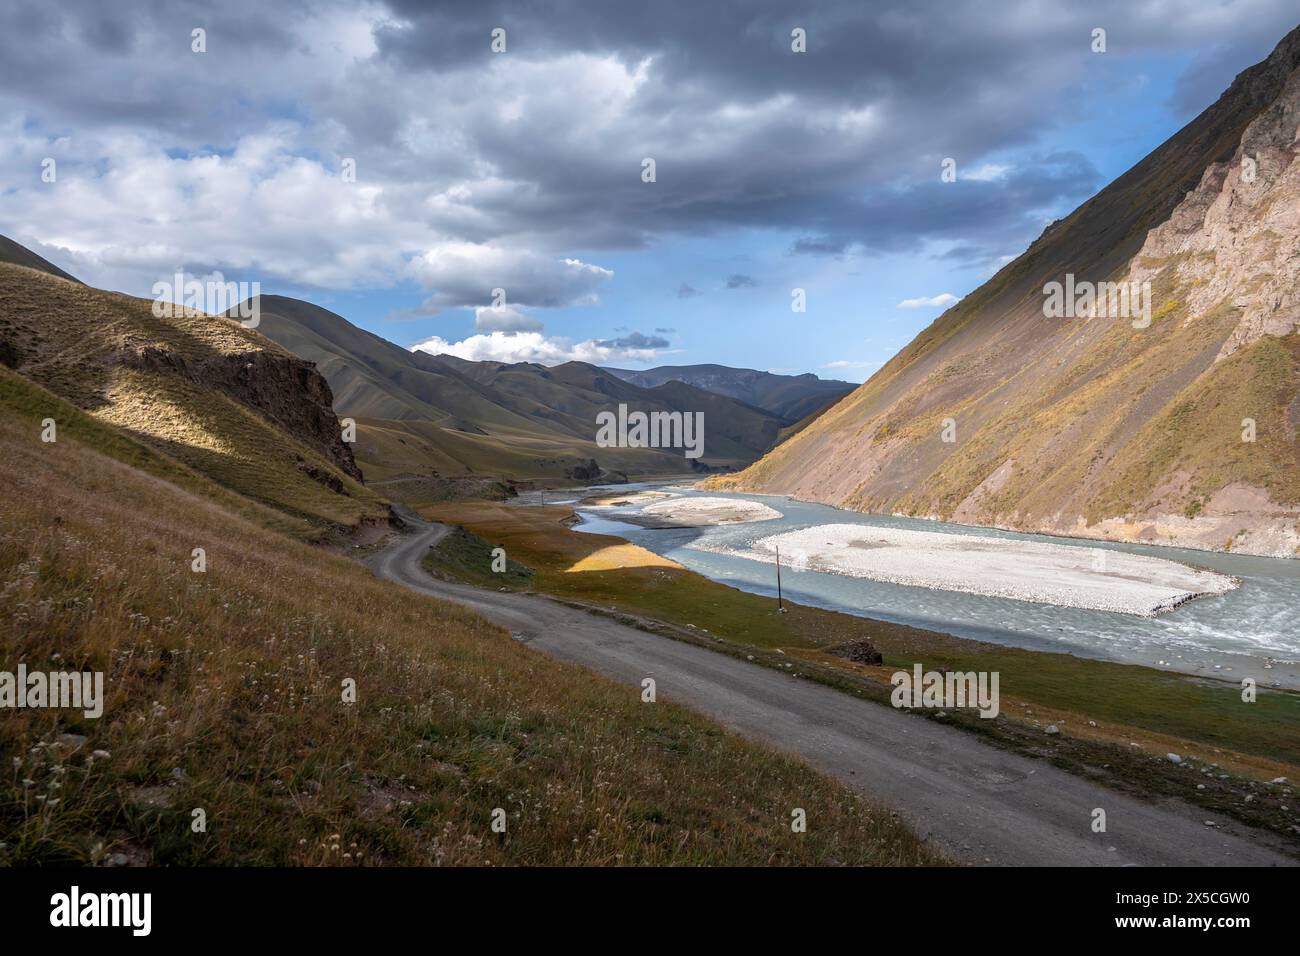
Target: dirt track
<point>980,804</point>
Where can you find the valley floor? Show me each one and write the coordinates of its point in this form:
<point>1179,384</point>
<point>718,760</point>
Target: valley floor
<point>1113,723</point>
<point>981,804</point>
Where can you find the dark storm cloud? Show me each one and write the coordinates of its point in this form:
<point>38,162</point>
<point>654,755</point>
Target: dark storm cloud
<point>925,80</point>
<point>130,63</point>
<point>823,246</point>
<point>540,149</point>
<point>981,215</point>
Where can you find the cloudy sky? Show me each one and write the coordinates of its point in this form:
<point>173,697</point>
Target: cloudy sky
<point>523,170</point>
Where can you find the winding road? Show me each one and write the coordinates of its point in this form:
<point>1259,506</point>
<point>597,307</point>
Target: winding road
<point>979,804</point>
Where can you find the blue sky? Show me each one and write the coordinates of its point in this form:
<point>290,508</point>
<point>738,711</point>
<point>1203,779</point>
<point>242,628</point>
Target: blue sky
<point>775,169</point>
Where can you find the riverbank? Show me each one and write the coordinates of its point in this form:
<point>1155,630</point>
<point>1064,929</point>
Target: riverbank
<point>1057,574</point>
<point>1114,722</point>
<point>1247,632</point>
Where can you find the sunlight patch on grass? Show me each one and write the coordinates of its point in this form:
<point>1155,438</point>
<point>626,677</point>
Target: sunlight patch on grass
<point>621,556</point>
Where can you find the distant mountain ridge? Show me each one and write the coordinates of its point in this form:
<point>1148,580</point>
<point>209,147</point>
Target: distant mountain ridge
<point>420,412</point>
<point>792,397</point>
<point>1182,431</point>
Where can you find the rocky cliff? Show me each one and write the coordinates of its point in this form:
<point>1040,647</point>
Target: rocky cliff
<point>217,397</point>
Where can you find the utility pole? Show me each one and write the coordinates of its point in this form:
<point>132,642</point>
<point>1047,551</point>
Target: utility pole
<point>779,606</point>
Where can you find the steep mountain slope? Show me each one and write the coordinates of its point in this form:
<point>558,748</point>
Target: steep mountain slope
<point>791,397</point>
<point>1106,427</point>
<point>418,412</point>
<point>18,255</point>
<point>216,399</point>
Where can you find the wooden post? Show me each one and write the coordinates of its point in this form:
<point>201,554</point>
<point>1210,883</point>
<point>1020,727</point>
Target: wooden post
<point>779,605</point>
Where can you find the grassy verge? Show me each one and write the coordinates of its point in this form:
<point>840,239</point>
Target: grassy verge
<point>463,556</point>
<point>224,693</point>
<point>1116,722</point>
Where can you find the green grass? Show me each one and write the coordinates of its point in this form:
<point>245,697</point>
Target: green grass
<point>216,399</point>
<point>463,556</point>
<point>25,402</point>
<point>1208,713</point>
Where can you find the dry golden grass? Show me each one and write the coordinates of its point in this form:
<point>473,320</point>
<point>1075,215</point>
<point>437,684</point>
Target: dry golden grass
<point>223,692</point>
<point>209,393</point>
<point>619,556</point>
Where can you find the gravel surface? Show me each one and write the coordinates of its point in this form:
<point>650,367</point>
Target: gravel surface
<point>1064,575</point>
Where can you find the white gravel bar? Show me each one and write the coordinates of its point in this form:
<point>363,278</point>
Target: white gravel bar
<point>1064,575</point>
<point>701,511</point>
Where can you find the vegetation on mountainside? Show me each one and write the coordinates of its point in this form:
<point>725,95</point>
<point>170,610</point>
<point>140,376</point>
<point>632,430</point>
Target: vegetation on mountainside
<point>224,694</point>
<point>420,412</point>
<point>463,556</point>
<point>1090,425</point>
<point>210,395</point>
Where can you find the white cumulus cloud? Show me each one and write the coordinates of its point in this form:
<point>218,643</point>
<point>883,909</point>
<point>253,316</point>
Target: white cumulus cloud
<point>942,300</point>
<point>533,347</point>
<point>504,319</point>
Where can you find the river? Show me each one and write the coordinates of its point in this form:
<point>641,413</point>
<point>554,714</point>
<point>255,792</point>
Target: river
<point>1253,631</point>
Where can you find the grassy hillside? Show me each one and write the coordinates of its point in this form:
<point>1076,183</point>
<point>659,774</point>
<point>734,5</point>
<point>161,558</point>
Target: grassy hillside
<point>419,412</point>
<point>792,397</point>
<point>18,255</point>
<point>216,398</point>
<point>224,693</point>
